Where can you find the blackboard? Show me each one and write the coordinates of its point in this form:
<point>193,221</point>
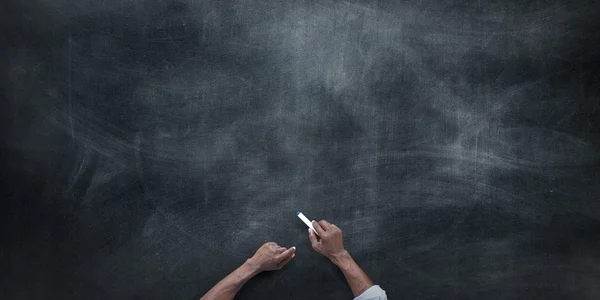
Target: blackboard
<point>150,147</point>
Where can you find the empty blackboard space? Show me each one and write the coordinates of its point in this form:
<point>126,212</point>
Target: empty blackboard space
<point>149,147</point>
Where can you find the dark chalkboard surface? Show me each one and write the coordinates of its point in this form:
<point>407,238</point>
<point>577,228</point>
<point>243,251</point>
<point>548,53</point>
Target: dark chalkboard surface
<point>149,147</point>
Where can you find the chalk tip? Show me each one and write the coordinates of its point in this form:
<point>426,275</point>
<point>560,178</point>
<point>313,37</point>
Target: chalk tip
<point>298,212</point>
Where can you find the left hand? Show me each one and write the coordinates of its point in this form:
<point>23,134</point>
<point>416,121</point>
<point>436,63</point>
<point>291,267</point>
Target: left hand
<point>271,256</point>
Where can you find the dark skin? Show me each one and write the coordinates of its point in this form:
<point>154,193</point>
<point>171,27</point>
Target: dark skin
<point>331,244</point>
<point>270,256</point>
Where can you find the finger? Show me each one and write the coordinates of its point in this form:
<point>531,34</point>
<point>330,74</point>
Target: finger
<point>280,250</point>
<point>271,244</point>
<point>325,225</point>
<point>285,254</point>
<point>285,261</point>
<point>312,237</point>
<point>318,228</point>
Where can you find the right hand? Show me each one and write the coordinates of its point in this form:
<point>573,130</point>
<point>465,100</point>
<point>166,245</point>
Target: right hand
<point>329,242</point>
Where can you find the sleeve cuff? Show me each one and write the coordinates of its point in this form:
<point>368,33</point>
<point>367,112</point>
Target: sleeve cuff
<point>373,293</point>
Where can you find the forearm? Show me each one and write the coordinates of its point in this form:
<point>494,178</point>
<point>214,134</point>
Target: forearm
<point>227,288</point>
<point>357,279</point>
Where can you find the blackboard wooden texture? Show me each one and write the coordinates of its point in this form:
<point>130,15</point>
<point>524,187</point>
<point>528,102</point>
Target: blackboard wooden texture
<point>150,147</point>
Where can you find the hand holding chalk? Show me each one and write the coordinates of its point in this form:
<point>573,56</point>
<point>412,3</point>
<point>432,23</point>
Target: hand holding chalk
<point>331,242</point>
<point>306,221</point>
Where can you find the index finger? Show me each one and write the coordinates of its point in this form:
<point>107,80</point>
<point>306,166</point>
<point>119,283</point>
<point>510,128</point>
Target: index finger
<point>318,228</point>
<point>325,225</point>
<point>285,254</point>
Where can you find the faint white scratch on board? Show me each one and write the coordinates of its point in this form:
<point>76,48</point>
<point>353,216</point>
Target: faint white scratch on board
<point>69,93</point>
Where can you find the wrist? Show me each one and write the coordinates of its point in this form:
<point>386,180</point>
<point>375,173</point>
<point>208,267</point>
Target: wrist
<point>341,258</point>
<point>251,267</point>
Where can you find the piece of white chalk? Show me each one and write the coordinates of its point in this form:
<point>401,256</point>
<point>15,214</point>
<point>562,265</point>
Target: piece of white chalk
<point>306,221</point>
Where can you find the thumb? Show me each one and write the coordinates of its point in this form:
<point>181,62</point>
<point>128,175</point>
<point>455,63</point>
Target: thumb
<point>312,237</point>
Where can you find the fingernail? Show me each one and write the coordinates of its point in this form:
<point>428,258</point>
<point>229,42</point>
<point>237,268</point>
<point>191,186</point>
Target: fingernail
<point>294,248</point>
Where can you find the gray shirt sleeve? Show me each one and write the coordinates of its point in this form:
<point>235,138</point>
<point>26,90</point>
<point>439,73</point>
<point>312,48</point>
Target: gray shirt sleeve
<point>373,293</point>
